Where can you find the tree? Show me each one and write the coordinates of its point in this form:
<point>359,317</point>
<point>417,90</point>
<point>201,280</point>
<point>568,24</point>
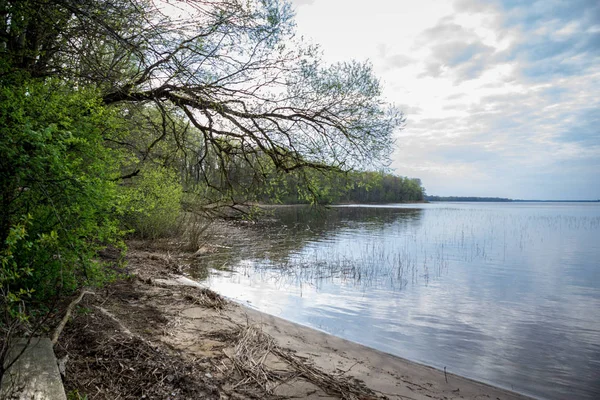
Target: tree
<point>58,199</point>
<point>232,68</point>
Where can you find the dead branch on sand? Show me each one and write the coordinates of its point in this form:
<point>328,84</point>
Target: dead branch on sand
<point>250,356</point>
<point>206,298</point>
<point>67,315</point>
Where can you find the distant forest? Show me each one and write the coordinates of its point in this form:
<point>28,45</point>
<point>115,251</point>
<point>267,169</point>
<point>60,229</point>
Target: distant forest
<point>348,188</point>
<point>466,198</point>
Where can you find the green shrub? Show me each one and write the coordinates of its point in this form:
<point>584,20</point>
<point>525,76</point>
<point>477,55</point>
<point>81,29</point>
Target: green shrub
<point>56,174</point>
<point>152,203</point>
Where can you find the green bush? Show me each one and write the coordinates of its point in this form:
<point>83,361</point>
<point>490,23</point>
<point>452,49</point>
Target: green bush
<point>56,174</point>
<point>151,203</point>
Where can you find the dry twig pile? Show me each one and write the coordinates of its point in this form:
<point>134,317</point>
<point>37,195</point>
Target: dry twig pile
<point>253,350</point>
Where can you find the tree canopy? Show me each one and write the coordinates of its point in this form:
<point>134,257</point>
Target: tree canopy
<point>232,69</point>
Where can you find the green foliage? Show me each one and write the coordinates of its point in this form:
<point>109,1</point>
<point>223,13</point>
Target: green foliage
<point>11,274</point>
<point>328,187</point>
<point>380,187</point>
<point>56,172</point>
<point>151,203</point>
<point>265,183</point>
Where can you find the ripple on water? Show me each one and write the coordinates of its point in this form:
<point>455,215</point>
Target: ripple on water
<point>504,293</point>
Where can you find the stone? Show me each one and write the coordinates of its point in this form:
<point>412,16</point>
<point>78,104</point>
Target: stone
<point>35,375</point>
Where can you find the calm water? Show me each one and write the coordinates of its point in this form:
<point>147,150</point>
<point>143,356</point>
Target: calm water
<point>505,293</point>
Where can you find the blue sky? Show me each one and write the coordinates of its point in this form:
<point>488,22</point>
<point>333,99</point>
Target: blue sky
<point>502,98</point>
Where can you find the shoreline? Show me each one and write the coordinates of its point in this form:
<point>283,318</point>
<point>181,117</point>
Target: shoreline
<point>268,206</point>
<point>172,337</point>
<point>391,375</point>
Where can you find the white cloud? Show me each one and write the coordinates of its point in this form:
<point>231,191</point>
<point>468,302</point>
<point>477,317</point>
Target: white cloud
<point>500,100</point>
<point>300,3</point>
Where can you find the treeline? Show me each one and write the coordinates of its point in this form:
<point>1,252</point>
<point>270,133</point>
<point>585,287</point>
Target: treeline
<point>346,188</point>
<point>466,198</point>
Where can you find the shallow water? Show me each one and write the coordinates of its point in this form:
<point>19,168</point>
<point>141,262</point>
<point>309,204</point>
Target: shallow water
<point>505,293</point>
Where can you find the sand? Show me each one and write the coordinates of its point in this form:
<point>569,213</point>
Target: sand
<point>387,375</point>
<point>176,317</point>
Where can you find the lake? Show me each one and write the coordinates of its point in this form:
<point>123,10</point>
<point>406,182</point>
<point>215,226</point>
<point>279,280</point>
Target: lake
<point>504,293</point>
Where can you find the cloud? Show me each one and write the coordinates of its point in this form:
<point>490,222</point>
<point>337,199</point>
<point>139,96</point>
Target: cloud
<point>512,108</point>
<point>454,51</point>
<point>398,61</point>
<point>446,28</point>
<point>523,143</point>
<point>393,61</point>
<point>467,60</point>
<point>556,38</point>
<point>471,6</point>
<point>500,95</point>
<point>584,129</point>
<point>408,109</point>
<point>300,3</point>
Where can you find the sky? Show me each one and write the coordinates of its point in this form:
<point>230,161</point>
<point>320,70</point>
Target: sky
<point>502,97</point>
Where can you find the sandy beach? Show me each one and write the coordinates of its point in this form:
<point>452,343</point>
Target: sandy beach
<point>388,375</point>
<point>172,338</point>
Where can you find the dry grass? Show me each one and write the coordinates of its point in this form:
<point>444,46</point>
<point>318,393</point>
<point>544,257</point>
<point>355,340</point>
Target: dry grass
<point>250,359</point>
<point>195,232</point>
<point>205,298</point>
<point>333,384</point>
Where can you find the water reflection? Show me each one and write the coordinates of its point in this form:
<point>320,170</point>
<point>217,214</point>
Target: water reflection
<point>505,293</point>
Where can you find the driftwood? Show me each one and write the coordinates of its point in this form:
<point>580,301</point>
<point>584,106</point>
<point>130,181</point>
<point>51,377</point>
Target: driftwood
<point>250,356</point>
<point>64,320</point>
<point>206,298</point>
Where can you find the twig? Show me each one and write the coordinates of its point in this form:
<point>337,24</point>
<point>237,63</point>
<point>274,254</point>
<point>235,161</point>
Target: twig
<point>250,356</point>
<point>64,320</point>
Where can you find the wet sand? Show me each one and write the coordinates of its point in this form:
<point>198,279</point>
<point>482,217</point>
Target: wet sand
<point>204,337</point>
<point>387,375</point>
<point>384,373</point>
